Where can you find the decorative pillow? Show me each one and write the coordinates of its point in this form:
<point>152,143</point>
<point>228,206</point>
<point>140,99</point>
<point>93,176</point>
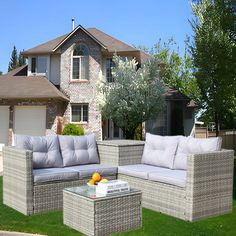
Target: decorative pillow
<point>160,150</point>
<point>190,145</point>
<point>46,150</point>
<point>78,150</point>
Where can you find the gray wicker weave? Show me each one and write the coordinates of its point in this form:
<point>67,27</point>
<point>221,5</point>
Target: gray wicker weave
<point>102,216</point>
<point>208,190</point>
<point>19,191</point>
<point>120,152</point>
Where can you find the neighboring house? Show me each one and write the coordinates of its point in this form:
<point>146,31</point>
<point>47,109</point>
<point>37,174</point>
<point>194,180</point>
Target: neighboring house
<point>59,86</point>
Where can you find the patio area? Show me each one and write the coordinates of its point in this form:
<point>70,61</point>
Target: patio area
<point>153,223</point>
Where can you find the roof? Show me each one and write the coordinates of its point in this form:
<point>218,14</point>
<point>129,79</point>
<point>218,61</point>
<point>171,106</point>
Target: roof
<point>22,70</point>
<point>108,42</point>
<point>13,86</point>
<point>174,94</point>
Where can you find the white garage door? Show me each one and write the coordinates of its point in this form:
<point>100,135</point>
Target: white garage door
<point>4,124</point>
<point>30,120</point>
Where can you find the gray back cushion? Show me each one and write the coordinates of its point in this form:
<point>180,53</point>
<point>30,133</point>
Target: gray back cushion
<point>46,150</point>
<point>159,150</point>
<point>78,150</point>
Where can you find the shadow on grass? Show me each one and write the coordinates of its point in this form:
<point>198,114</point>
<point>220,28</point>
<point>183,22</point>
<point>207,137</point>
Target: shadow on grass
<point>234,188</point>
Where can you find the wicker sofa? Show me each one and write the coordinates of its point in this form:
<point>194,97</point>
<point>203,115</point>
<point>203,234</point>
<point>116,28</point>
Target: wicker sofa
<point>194,181</point>
<point>33,179</point>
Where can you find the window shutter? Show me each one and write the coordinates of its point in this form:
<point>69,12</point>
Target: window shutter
<point>85,67</point>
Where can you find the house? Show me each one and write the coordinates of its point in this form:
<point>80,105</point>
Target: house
<point>59,86</point>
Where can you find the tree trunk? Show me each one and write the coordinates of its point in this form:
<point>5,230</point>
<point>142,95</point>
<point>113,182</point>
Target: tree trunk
<point>217,122</point>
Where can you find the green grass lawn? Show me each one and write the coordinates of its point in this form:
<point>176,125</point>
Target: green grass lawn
<point>153,223</point>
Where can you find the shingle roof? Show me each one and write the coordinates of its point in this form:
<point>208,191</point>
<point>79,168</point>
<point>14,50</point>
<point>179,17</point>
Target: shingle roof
<point>28,87</point>
<point>112,44</point>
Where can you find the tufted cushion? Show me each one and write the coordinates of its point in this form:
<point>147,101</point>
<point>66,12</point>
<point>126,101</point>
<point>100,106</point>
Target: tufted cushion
<point>160,150</point>
<point>78,150</point>
<point>190,145</point>
<point>46,150</point>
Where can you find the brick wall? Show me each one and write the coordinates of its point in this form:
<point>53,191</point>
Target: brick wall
<point>82,91</point>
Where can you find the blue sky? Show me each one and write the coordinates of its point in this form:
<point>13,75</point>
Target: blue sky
<point>28,23</point>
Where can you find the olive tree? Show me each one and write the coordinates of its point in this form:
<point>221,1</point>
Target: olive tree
<point>135,96</point>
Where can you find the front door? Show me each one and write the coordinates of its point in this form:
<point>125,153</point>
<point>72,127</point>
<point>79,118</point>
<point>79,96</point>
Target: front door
<point>112,131</point>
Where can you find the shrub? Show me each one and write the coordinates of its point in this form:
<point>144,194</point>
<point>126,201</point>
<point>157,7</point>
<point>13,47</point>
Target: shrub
<point>72,129</point>
<point>138,133</point>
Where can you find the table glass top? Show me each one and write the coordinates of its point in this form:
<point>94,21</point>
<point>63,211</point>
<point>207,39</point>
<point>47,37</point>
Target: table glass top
<point>90,192</point>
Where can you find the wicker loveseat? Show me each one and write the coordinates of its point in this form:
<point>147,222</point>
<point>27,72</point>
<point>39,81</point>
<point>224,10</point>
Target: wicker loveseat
<point>180,176</point>
<point>33,179</point>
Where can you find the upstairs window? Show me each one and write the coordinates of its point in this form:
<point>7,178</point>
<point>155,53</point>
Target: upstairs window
<point>79,113</point>
<point>80,70</point>
<point>39,65</point>
<point>109,65</point>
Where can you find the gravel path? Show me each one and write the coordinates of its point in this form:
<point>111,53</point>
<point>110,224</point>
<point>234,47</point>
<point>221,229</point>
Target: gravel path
<point>3,233</point>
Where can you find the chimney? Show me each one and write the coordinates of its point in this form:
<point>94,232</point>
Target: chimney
<point>73,23</point>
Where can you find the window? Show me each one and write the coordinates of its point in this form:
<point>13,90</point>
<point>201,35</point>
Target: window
<point>79,113</point>
<point>80,62</point>
<point>39,65</point>
<point>109,65</point>
<point>33,64</point>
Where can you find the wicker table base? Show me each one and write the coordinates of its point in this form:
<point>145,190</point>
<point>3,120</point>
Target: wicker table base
<point>104,215</point>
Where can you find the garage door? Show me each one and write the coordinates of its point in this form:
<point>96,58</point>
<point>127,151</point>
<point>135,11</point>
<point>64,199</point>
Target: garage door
<point>4,124</point>
<point>30,120</point>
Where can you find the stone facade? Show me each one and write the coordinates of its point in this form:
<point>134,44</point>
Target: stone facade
<point>82,91</point>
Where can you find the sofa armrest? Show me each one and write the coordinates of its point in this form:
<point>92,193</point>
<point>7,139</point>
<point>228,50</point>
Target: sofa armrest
<point>18,179</point>
<point>209,184</point>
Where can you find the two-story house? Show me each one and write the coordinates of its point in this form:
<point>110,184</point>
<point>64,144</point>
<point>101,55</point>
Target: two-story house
<point>59,86</point>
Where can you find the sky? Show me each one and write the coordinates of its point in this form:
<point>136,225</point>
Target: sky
<point>27,23</point>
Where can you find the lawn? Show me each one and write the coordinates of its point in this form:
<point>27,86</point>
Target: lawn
<point>153,223</point>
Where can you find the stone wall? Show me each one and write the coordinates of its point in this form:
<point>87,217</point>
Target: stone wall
<point>82,91</point>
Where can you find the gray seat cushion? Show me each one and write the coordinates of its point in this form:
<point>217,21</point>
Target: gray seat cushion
<point>86,171</point>
<point>79,150</point>
<point>140,170</point>
<point>46,150</point>
<point>173,177</point>
<point>53,174</point>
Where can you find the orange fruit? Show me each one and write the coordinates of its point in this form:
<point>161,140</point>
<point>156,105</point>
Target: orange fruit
<point>91,182</point>
<point>96,177</point>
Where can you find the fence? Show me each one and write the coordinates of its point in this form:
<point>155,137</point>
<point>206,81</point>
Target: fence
<point>228,136</point>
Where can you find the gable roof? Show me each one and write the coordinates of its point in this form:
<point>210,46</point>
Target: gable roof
<point>106,41</point>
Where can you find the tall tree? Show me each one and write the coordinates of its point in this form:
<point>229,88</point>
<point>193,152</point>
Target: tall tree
<point>21,59</point>
<point>135,96</point>
<point>177,70</point>
<point>214,55</point>
<point>13,64</point>
<point>0,72</point>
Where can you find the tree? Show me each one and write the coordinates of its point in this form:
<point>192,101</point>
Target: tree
<point>135,96</point>
<point>21,59</point>
<point>13,64</point>
<point>0,72</point>
<point>214,56</point>
<point>177,71</point>
<point>16,60</point>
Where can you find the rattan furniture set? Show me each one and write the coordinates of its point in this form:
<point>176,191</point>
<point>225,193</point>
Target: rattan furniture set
<point>175,177</point>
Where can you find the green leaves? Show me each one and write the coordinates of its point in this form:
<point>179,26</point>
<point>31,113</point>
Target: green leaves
<point>214,57</point>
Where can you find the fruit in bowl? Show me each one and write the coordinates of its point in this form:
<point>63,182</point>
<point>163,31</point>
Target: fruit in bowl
<point>96,177</point>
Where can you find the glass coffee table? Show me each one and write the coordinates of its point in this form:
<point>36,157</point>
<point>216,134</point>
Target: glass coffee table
<point>101,215</point>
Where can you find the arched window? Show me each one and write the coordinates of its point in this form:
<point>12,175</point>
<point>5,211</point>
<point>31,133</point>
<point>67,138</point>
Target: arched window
<point>80,63</point>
